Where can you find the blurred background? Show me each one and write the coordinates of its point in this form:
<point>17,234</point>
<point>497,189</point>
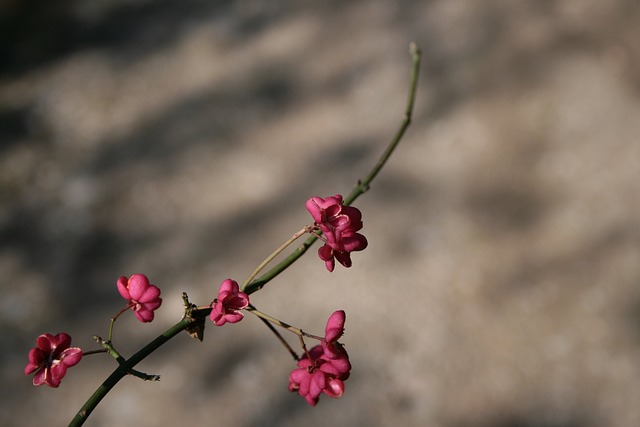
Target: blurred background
<point>181,138</point>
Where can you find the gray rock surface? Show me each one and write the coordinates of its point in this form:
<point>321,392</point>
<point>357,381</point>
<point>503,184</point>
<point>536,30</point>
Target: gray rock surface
<point>180,139</point>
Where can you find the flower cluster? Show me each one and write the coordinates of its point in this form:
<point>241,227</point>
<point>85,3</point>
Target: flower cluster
<point>322,369</point>
<point>226,308</point>
<point>325,367</point>
<point>340,225</point>
<point>50,359</point>
<point>143,297</point>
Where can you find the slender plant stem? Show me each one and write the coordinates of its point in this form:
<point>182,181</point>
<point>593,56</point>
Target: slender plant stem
<point>273,255</point>
<point>111,350</point>
<point>281,339</point>
<point>281,324</point>
<point>126,366</point>
<point>362,186</point>
<point>114,318</point>
<point>90,352</point>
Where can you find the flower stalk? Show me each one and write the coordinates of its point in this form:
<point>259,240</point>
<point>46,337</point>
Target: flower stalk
<point>281,324</point>
<point>275,253</point>
<point>362,186</point>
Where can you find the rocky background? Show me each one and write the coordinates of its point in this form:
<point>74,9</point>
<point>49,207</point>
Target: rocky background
<point>181,138</point>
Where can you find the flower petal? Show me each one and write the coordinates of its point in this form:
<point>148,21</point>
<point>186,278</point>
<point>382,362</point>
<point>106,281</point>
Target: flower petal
<point>145,316</point>
<point>36,358</point>
<point>318,381</point>
<point>314,209</point>
<point>228,286</point>
<point>122,284</point>
<point>233,317</point>
<point>340,367</point>
<point>151,305</point>
<point>330,265</point>
<point>61,341</point>
<point>39,377</point>
<point>237,302</point>
<point>58,372</point>
<point>71,356</point>
<point>50,379</point>
<point>325,252</point>
<point>335,326</point>
<point>149,294</point>
<point>45,342</point>
<point>356,242</point>
<point>138,284</point>
<point>343,258</point>
<point>334,388</point>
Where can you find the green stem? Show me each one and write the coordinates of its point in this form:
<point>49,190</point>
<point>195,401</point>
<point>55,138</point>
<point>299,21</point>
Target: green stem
<point>114,318</point>
<point>258,283</point>
<point>88,353</point>
<point>127,365</point>
<point>111,350</point>
<point>280,338</point>
<point>273,255</point>
<point>280,323</point>
<point>362,186</point>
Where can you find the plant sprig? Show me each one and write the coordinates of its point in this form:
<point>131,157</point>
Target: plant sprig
<point>194,314</point>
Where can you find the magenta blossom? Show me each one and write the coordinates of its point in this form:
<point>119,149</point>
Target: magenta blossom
<point>143,297</point>
<point>226,308</point>
<point>339,224</point>
<point>51,358</point>
<point>315,376</point>
<point>325,367</point>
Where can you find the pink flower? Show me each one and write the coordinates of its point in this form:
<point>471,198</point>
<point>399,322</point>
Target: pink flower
<point>143,297</point>
<point>230,300</point>
<point>51,358</point>
<point>315,376</point>
<point>339,224</point>
<point>325,367</point>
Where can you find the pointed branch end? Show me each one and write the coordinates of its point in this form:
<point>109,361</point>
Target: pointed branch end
<point>414,49</point>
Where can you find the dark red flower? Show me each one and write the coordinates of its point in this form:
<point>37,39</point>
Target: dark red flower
<point>51,358</point>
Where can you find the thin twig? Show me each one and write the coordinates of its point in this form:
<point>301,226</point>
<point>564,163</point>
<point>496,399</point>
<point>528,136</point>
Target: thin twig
<point>362,186</point>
